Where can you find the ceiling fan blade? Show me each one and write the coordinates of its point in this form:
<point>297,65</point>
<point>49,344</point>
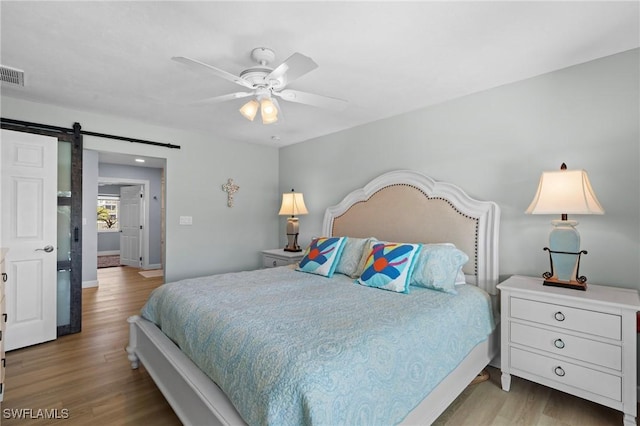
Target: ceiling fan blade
<point>223,98</point>
<point>295,66</point>
<point>312,99</point>
<point>217,71</point>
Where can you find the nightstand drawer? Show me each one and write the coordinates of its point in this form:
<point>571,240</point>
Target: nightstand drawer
<point>586,350</point>
<point>279,257</point>
<point>565,373</point>
<point>581,320</point>
<point>272,262</point>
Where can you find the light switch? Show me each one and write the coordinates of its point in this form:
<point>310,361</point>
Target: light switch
<point>186,220</point>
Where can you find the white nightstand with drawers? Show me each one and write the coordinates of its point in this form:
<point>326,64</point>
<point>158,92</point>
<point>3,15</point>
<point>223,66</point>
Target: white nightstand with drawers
<point>579,342</point>
<point>279,257</point>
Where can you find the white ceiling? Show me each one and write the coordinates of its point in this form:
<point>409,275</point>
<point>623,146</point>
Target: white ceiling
<point>385,58</point>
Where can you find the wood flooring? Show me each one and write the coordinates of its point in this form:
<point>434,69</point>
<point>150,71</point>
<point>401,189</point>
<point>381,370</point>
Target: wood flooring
<point>88,374</point>
<point>86,379</point>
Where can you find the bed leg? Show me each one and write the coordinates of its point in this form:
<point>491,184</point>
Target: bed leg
<point>506,382</point>
<point>629,419</point>
<point>131,348</point>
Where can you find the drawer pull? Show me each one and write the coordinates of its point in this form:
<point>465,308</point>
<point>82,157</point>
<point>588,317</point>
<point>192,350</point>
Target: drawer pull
<point>559,371</point>
<point>559,316</point>
<point>275,263</point>
<point>558,343</point>
<point>5,277</point>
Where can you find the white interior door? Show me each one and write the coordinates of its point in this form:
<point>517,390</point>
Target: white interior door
<point>131,222</point>
<point>29,230</point>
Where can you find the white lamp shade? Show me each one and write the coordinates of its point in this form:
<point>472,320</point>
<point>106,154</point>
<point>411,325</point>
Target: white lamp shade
<point>565,192</point>
<point>292,204</point>
<point>250,109</point>
<point>268,111</point>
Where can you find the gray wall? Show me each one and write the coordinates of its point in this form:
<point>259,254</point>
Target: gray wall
<point>110,241</point>
<point>221,239</point>
<point>494,145</point>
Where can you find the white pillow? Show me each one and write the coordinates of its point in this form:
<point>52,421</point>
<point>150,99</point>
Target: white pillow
<point>351,255</point>
<point>438,267</point>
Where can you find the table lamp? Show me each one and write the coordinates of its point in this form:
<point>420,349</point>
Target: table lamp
<point>292,205</point>
<point>565,192</point>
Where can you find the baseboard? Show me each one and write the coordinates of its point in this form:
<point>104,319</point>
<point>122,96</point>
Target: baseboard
<point>153,266</point>
<point>88,284</point>
<point>109,253</point>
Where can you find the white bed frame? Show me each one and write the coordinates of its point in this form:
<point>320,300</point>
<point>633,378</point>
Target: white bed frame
<point>197,400</point>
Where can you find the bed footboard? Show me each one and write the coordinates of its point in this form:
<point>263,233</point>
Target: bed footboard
<point>194,397</point>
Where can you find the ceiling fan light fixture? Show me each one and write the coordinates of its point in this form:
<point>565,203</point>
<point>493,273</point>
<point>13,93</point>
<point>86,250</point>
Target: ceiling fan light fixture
<point>268,111</point>
<point>250,109</point>
<point>264,82</point>
<point>269,120</point>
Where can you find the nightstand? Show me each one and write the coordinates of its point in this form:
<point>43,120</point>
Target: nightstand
<point>279,257</point>
<point>579,342</point>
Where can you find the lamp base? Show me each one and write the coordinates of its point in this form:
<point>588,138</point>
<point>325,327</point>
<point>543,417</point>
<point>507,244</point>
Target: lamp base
<point>292,235</point>
<point>564,256</point>
<point>575,285</point>
<point>576,282</point>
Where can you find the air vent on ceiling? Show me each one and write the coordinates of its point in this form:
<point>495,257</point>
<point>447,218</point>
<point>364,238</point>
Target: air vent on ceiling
<point>11,75</point>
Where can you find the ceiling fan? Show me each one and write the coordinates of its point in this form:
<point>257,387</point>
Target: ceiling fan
<point>265,83</point>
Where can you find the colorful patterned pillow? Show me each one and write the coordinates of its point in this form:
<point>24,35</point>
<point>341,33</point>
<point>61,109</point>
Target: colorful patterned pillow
<point>322,256</point>
<point>438,267</point>
<point>351,255</point>
<point>388,266</point>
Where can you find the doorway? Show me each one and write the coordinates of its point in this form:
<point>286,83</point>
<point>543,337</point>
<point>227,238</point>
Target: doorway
<point>127,231</point>
<point>105,175</point>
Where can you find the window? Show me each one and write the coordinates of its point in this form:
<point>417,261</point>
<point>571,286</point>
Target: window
<point>108,207</point>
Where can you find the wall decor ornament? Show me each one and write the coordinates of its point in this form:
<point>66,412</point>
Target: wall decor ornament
<point>230,188</point>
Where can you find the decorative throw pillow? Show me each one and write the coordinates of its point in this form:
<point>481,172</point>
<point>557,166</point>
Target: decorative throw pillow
<point>438,267</point>
<point>351,255</point>
<point>388,266</point>
<point>322,256</point>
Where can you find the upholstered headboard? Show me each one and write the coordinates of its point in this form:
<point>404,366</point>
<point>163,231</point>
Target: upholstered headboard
<point>407,206</point>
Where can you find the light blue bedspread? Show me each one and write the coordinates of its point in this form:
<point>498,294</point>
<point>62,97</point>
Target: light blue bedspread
<point>290,348</point>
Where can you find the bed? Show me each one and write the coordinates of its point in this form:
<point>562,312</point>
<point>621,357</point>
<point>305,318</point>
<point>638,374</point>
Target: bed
<point>400,206</point>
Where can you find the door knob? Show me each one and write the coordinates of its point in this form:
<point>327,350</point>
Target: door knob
<point>47,249</point>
